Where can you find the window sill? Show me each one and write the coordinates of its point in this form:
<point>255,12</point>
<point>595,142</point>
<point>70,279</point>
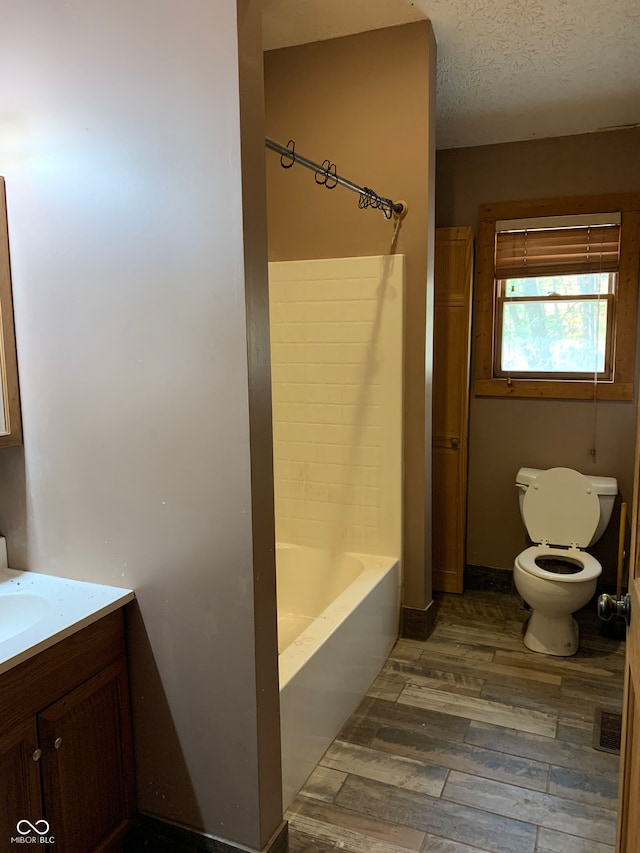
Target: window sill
<point>553,389</point>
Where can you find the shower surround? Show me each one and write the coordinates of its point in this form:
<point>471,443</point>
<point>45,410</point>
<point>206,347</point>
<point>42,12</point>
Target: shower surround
<point>337,353</point>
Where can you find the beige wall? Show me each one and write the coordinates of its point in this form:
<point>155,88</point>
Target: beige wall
<point>366,102</point>
<point>120,145</point>
<point>336,362</point>
<point>506,434</point>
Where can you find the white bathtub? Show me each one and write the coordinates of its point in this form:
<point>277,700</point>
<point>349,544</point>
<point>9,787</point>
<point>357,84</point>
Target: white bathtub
<point>337,622</point>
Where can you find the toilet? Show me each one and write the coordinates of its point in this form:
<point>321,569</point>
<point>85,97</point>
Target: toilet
<point>564,512</point>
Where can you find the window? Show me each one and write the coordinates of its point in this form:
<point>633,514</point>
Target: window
<point>556,290</point>
<point>555,280</point>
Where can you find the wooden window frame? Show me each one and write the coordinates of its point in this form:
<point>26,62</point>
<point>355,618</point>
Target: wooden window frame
<point>620,387</point>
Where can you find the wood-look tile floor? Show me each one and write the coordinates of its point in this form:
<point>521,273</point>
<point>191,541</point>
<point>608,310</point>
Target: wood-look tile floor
<point>469,742</point>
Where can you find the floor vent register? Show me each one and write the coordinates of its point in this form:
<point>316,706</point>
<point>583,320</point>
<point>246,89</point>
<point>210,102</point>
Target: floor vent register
<point>607,731</point>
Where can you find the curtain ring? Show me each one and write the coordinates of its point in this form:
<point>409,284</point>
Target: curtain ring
<point>291,145</point>
<point>331,181</point>
<point>324,172</point>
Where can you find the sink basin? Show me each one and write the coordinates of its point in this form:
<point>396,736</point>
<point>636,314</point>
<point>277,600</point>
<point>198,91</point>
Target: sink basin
<point>18,612</point>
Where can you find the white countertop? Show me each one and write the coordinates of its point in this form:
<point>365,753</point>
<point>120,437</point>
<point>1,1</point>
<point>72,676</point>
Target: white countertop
<point>37,611</point>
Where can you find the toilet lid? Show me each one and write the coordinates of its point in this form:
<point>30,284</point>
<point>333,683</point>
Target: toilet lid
<point>560,507</point>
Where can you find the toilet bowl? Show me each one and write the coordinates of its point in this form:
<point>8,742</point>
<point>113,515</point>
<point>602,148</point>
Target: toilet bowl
<point>564,512</point>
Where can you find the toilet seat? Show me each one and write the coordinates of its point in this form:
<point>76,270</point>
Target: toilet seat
<point>591,568</point>
<point>560,509</point>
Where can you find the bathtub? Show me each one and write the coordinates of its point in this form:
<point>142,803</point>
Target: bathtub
<point>337,622</point>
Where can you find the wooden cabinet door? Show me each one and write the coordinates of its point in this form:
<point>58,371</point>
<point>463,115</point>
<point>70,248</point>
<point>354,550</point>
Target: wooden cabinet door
<point>87,763</point>
<point>19,780</point>
<point>452,333</point>
<point>628,836</point>
<point>629,789</point>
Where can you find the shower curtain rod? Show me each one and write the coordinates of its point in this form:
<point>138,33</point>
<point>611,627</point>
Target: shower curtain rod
<point>368,198</point>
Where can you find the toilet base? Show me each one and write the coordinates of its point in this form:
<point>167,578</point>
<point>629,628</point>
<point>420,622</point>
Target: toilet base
<point>552,635</point>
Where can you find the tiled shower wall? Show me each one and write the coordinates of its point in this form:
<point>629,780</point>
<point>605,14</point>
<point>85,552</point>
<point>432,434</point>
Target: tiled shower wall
<point>336,354</point>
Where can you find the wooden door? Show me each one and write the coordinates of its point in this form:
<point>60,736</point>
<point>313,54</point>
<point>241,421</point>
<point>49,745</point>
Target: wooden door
<point>19,780</point>
<point>87,763</point>
<point>452,333</point>
<point>628,837</point>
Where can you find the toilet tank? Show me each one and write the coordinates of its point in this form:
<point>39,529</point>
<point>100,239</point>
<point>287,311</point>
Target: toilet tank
<point>605,487</point>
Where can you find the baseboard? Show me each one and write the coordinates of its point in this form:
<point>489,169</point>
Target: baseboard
<point>151,835</point>
<point>501,580</point>
<point>416,624</point>
<point>486,577</point>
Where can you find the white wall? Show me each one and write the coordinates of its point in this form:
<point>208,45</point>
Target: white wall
<point>336,357</point>
<point>120,145</point>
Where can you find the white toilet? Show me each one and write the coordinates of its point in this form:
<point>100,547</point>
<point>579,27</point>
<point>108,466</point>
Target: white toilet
<point>564,512</point>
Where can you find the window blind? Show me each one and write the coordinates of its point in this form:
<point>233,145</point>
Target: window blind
<point>539,251</point>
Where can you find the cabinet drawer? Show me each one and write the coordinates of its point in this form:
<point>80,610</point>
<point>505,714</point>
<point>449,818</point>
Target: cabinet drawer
<point>36,683</point>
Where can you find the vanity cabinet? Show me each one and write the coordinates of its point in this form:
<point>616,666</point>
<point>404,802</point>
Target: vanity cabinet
<point>65,742</point>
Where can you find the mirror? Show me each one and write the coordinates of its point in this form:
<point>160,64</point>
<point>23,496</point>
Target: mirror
<point>10,419</point>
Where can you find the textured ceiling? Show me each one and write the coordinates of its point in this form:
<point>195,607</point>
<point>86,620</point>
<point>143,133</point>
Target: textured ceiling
<point>507,69</point>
